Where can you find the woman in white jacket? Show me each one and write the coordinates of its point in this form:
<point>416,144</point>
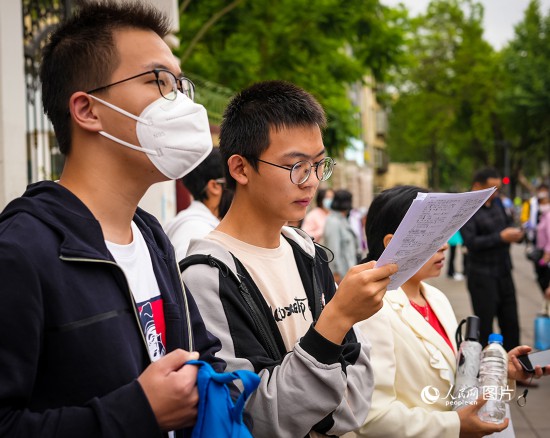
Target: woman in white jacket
<point>413,345</point>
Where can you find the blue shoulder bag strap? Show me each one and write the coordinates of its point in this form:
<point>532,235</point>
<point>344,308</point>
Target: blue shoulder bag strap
<point>217,414</point>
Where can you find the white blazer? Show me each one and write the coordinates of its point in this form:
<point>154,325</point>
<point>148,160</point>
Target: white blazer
<point>410,358</point>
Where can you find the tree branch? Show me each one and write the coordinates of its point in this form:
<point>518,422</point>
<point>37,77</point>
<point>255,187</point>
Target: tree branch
<point>207,26</point>
<point>183,6</point>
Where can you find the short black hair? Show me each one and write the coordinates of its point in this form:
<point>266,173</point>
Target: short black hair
<point>210,168</point>
<point>482,175</point>
<point>81,55</point>
<point>342,200</point>
<point>253,112</point>
<point>386,212</point>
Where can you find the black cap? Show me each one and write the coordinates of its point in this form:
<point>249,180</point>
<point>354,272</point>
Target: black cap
<point>472,328</point>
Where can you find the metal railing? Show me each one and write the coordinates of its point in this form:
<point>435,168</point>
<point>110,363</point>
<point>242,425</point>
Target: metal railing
<point>212,96</point>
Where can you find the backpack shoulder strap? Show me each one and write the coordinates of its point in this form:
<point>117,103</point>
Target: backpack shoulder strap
<point>207,259</point>
<point>257,316</point>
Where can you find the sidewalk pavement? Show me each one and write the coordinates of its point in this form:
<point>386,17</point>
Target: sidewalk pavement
<point>532,420</point>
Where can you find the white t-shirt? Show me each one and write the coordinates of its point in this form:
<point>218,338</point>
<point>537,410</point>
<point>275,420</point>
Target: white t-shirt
<point>135,261</point>
<point>195,222</point>
<point>276,274</point>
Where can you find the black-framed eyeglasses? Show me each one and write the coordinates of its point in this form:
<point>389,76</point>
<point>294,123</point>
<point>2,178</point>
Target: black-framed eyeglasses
<point>167,83</point>
<point>300,172</point>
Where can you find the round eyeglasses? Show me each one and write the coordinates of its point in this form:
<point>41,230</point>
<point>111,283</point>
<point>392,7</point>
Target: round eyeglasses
<point>167,83</point>
<point>300,172</point>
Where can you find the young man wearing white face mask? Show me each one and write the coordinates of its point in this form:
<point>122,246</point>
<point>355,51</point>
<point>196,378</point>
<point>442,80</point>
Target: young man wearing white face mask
<point>95,323</point>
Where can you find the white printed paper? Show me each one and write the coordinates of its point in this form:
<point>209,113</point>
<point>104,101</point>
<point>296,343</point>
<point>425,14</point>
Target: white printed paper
<point>430,222</point>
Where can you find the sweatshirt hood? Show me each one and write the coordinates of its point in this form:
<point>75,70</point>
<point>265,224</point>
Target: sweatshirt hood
<point>210,247</point>
<point>301,238</point>
<point>60,210</point>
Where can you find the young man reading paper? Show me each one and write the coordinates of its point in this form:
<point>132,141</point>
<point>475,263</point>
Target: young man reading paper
<point>267,292</point>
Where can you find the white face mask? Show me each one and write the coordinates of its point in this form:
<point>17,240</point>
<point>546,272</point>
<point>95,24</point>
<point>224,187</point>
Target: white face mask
<point>175,135</point>
<point>544,208</point>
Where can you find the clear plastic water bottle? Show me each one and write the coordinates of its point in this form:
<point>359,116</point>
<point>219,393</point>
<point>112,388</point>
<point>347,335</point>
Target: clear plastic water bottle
<point>493,376</point>
<point>466,389</point>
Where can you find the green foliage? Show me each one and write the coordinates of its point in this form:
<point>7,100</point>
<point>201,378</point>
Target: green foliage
<point>321,45</point>
<point>443,114</point>
<point>525,101</point>
<point>462,106</point>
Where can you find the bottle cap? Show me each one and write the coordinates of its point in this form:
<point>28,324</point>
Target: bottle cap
<point>495,337</point>
<point>472,328</point>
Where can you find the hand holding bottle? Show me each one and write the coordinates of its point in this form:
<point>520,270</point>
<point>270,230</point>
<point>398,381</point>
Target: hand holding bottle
<point>471,425</point>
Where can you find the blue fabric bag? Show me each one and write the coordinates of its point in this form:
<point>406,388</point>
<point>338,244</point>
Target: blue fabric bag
<point>542,330</point>
<point>218,416</point>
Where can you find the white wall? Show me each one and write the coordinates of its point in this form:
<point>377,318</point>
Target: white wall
<point>13,169</point>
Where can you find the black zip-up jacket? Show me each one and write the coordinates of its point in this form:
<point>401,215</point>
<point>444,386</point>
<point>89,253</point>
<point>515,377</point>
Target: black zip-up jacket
<point>71,346</point>
<point>488,254</point>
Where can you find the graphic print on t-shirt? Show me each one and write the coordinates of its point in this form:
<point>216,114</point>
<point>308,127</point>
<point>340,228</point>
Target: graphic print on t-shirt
<point>298,307</point>
<point>151,315</point>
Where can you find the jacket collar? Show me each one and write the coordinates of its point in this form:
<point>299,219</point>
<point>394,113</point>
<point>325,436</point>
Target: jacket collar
<point>80,233</point>
<point>207,246</point>
<point>442,357</point>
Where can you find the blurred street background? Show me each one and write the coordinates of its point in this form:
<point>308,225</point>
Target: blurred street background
<point>416,92</point>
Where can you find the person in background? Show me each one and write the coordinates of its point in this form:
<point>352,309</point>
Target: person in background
<point>454,242</point>
<point>487,236</point>
<point>206,184</point>
<point>530,215</point>
<point>415,347</point>
<point>509,208</point>
<point>542,266</point>
<point>314,222</point>
<point>357,218</point>
<point>339,236</point>
<point>266,290</point>
<point>96,326</point>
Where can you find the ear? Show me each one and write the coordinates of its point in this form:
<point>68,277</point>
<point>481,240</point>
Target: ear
<point>83,112</point>
<point>213,188</point>
<point>387,239</point>
<point>239,169</point>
